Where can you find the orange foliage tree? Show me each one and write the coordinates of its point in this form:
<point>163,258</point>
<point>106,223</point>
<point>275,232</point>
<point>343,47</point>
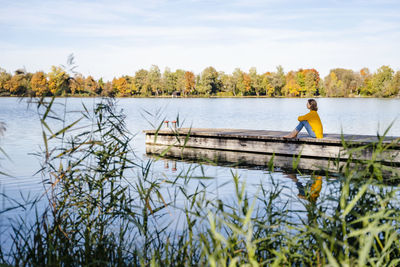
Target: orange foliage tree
<point>121,86</point>
<point>39,84</point>
<point>189,82</point>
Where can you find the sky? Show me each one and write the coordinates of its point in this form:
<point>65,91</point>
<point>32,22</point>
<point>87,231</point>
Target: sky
<point>111,38</point>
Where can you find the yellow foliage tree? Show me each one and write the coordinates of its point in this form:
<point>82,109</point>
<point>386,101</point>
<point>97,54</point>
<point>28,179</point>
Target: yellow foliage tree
<point>121,86</point>
<point>39,83</point>
<point>266,84</point>
<point>58,81</point>
<point>91,85</point>
<point>5,81</point>
<point>19,83</point>
<point>291,88</point>
<point>77,84</point>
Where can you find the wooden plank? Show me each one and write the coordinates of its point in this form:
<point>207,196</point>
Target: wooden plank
<point>270,142</point>
<point>271,135</point>
<point>244,159</point>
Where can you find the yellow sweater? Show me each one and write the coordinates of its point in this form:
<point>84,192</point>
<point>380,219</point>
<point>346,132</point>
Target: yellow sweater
<point>314,121</point>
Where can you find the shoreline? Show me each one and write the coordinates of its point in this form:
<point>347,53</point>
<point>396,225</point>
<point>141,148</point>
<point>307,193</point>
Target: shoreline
<point>179,97</point>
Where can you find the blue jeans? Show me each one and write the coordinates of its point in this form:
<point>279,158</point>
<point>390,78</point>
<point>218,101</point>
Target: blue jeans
<point>307,126</point>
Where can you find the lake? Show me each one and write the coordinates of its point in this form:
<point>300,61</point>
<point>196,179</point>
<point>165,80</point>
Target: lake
<point>23,136</point>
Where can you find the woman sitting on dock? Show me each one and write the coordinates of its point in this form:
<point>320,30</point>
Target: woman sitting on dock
<point>310,121</point>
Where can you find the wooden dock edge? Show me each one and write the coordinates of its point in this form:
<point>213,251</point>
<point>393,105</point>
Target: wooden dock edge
<point>272,143</point>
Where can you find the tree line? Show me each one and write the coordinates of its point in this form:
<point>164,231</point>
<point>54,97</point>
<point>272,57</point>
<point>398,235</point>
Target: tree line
<point>384,82</point>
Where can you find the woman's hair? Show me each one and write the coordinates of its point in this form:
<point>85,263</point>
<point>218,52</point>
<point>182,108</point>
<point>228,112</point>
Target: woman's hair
<point>313,104</point>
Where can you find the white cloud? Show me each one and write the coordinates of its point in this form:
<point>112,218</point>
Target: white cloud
<point>232,16</point>
<point>111,39</point>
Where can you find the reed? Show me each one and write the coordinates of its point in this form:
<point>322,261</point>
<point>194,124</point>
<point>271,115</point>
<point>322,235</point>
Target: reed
<point>106,207</point>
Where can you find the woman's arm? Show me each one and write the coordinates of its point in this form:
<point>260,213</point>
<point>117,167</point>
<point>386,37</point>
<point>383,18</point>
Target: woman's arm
<point>305,117</point>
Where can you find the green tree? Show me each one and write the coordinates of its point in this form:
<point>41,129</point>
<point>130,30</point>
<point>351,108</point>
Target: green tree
<point>228,85</point>
<point>180,81</point>
<point>267,87</point>
<point>395,86</point>
<point>142,82</point>
<point>169,81</point>
<point>311,82</point>
<point>240,87</point>
<point>277,80</point>
<point>381,81</point>
<point>100,87</point>
<point>209,82</point>
<point>255,81</point>
<point>154,80</point>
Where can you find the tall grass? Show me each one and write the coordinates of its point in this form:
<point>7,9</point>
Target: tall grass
<point>105,207</point>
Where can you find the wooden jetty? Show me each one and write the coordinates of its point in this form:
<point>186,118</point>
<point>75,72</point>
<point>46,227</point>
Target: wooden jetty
<point>261,147</point>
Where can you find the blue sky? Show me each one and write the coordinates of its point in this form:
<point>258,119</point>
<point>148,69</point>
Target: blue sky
<point>114,38</point>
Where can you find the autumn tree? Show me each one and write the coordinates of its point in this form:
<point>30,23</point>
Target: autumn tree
<point>20,82</point>
<point>246,83</point>
<point>5,80</point>
<point>291,88</point>
<point>91,85</point>
<point>108,90</point>
<point>189,82</point>
<point>333,86</point>
<point>121,86</point>
<point>365,77</point>
<point>77,84</point>
<point>342,82</point>
<point>39,84</point>
<point>311,82</point>
<point>58,81</point>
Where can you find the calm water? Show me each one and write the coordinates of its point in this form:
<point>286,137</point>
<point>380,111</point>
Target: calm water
<point>352,116</point>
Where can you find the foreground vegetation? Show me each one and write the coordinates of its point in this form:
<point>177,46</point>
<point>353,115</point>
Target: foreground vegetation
<point>105,207</point>
<point>385,82</point>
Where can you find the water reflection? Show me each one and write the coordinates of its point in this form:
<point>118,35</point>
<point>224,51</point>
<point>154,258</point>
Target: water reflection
<point>244,159</point>
<point>309,191</point>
